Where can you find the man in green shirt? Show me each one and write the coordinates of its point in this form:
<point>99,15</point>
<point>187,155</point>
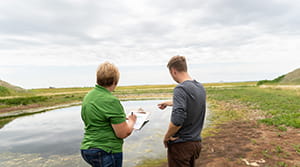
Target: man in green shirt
<point>105,121</point>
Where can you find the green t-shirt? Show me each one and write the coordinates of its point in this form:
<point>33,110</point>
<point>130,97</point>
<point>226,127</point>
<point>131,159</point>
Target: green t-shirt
<point>99,110</point>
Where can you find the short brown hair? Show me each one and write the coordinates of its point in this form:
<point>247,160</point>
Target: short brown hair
<point>178,63</point>
<point>107,74</point>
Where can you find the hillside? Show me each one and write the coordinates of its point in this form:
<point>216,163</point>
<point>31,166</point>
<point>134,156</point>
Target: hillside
<point>292,77</point>
<point>7,88</point>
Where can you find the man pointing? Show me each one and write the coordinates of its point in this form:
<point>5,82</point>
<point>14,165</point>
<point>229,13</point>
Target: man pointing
<point>183,138</point>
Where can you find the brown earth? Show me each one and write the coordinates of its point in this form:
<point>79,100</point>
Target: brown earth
<point>20,107</point>
<point>248,143</point>
<point>240,143</point>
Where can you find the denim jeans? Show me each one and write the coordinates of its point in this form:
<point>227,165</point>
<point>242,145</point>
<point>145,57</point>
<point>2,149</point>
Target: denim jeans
<point>99,158</point>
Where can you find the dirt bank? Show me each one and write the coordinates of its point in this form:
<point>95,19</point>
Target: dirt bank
<point>247,143</point>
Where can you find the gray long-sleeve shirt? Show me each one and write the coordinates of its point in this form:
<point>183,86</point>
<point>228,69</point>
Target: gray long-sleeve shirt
<point>189,107</point>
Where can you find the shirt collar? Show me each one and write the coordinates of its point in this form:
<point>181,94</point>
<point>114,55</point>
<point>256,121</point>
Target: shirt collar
<point>101,88</point>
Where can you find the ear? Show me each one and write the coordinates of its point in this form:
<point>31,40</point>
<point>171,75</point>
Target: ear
<point>173,71</point>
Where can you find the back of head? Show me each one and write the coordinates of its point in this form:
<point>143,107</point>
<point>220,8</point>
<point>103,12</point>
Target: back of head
<point>178,63</point>
<point>107,74</point>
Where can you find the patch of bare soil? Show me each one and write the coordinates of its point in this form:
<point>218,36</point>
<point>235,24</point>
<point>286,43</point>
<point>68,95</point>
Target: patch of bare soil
<point>21,107</point>
<point>247,143</point>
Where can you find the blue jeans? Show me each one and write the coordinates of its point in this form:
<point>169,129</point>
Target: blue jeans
<point>99,158</point>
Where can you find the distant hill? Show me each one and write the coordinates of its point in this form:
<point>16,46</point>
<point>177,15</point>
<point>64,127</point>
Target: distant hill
<point>292,77</point>
<point>289,78</point>
<point>7,88</point>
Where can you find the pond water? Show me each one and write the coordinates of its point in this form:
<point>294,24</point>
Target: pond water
<point>53,138</point>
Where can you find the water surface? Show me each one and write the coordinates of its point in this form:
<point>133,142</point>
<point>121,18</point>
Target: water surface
<point>53,138</point>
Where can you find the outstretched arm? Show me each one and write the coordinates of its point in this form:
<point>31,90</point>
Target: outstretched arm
<point>163,105</point>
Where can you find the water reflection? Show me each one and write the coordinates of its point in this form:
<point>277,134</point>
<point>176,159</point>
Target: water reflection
<point>53,138</point>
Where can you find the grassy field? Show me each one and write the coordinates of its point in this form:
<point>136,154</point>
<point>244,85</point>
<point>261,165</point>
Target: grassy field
<point>253,123</point>
<point>31,101</point>
<point>280,107</point>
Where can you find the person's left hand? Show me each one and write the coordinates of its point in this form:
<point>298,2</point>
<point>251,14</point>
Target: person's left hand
<point>167,139</point>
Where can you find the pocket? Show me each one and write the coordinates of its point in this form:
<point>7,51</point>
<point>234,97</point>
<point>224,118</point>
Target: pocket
<point>198,147</point>
<point>107,160</point>
<point>92,156</point>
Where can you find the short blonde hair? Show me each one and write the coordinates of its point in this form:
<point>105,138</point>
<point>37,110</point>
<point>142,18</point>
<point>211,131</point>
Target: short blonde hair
<point>107,74</point>
<point>178,63</point>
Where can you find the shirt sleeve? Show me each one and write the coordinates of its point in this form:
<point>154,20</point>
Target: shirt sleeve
<point>179,113</point>
<point>115,113</point>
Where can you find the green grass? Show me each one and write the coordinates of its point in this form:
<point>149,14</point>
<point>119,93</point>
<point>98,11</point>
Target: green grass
<point>119,89</point>
<point>23,100</point>
<point>282,164</point>
<point>274,81</point>
<point>4,91</point>
<point>4,121</point>
<point>230,84</point>
<point>40,100</point>
<point>58,90</point>
<point>142,91</point>
<point>282,107</point>
<point>152,162</point>
<point>297,148</point>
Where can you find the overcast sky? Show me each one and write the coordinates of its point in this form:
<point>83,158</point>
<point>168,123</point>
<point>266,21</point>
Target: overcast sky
<point>61,42</point>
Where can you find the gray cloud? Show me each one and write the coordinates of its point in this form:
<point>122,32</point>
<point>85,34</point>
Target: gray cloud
<point>270,15</point>
<point>139,31</point>
<point>53,18</point>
